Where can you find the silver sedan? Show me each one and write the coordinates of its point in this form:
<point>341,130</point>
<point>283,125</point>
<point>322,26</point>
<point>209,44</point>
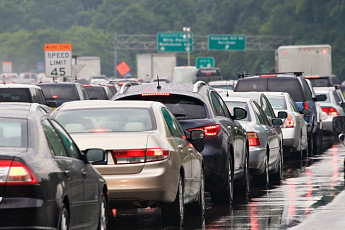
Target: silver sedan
<point>264,141</point>
<point>294,127</point>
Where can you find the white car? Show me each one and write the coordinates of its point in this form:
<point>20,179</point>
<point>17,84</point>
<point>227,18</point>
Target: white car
<point>294,126</point>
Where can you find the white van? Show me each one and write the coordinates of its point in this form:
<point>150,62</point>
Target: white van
<point>184,74</point>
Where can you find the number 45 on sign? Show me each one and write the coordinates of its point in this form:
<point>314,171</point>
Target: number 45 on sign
<point>58,60</point>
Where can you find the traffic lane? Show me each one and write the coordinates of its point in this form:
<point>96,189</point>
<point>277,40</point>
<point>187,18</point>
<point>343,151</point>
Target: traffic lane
<point>307,186</point>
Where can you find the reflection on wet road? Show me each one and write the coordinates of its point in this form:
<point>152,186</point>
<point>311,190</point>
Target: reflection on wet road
<point>307,185</point>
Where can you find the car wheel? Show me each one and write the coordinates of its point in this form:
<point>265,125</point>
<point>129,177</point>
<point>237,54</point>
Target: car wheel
<point>225,196</point>
<point>298,154</point>
<point>318,141</point>
<point>64,218</point>
<point>173,213</point>
<point>198,207</point>
<point>278,175</point>
<point>245,184</point>
<point>103,214</point>
<point>264,179</point>
<point>310,145</point>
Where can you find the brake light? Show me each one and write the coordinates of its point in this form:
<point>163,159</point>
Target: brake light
<point>132,156</point>
<point>100,130</point>
<point>86,85</point>
<point>155,94</point>
<point>312,76</point>
<point>14,173</point>
<point>306,106</point>
<point>54,96</point>
<point>210,131</point>
<point>330,111</point>
<point>324,51</point>
<point>268,75</point>
<point>253,139</point>
<point>289,123</point>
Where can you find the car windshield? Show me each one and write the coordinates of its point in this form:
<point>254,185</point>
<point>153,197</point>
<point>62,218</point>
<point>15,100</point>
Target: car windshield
<point>183,107</point>
<point>15,95</point>
<point>232,104</point>
<point>102,120</point>
<point>60,92</point>
<point>13,132</point>
<point>277,102</point>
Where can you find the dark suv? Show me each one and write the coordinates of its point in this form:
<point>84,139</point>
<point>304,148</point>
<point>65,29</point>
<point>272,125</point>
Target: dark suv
<point>56,93</point>
<point>225,148</point>
<point>297,86</point>
<point>208,74</point>
<point>323,81</point>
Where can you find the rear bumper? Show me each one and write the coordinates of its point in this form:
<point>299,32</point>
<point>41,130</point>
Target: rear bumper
<point>256,159</point>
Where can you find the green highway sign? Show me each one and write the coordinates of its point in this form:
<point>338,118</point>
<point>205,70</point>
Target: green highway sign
<point>226,42</point>
<point>174,42</point>
<point>203,62</point>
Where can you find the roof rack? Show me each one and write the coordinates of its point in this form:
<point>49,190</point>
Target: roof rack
<point>294,73</point>
<point>125,86</point>
<point>197,85</point>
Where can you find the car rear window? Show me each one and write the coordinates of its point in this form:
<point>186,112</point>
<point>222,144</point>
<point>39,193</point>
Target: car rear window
<point>319,82</point>
<point>277,102</point>
<point>102,120</point>
<point>183,107</point>
<point>15,95</point>
<point>252,84</point>
<point>96,93</point>
<point>60,92</point>
<point>292,86</point>
<point>13,132</point>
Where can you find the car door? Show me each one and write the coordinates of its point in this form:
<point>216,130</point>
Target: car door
<point>181,147</point>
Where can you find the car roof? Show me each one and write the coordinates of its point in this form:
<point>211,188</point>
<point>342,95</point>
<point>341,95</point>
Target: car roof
<point>19,86</point>
<point>244,99</point>
<point>106,104</point>
<point>59,83</point>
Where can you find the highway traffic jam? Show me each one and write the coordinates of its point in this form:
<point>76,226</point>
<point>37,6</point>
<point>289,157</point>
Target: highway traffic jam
<point>182,153</point>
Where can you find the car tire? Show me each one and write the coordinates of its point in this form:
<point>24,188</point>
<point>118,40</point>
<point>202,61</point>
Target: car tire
<point>244,187</point>
<point>318,142</point>
<point>225,196</point>
<point>198,208</point>
<point>103,214</point>
<point>277,176</point>
<point>173,213</point>
<point>64,218</point>
<point>298,154</point>
<point>264,179</point>
<point>310,145</point>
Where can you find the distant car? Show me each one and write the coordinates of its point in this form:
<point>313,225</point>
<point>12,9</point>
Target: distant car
<point>56,93</point>
<point>297,86</point>
<point>150,161</point>
<point>9,78</point>
<point>26,106</point>
<point>225,147</point>
<point>45,181</point>
<point>209,74</point>
<point>98,92</point>
<point>323,81</point>
<point>332,107</point>
<point>28,78</point>
<point>222,86</point>
<point>264,141</point>
<point>22,93</point>
<point>294,127</point>
<point>184,74</point>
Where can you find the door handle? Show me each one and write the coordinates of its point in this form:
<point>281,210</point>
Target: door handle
<point>67,173</point>
<point>180,147</point>
<point>84,174</point>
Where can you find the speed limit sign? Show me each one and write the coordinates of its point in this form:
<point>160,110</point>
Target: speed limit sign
<point>58,60</point>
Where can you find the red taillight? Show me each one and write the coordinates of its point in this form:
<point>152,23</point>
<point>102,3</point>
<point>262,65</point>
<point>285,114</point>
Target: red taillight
<point>312,76</point>
<point>330,111</point>
<point>15,172</point>
<point>54,96</point>
<point>267,75</point>
<point>306,106</point>
<point>155,94</point>
<point>210,131</point>
<point>289,123</point>
<point>86,85</point>
<point>100,130</point>
<point>132,156</point>
<point>253,139</point>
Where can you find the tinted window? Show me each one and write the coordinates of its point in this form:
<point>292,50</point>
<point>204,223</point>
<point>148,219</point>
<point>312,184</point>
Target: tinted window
<point>38,97</point>
<point>107,120</point>
<point>60,92</point>
<point>96,93</point>
<point>174,127</point>
<point>13,132</point>
<point>218,110</point>
<point>319,82</point>
<point>183,107</point>
<point>260,114</point>
<point>15,95</point>
<point>292,86</point>
<point>54,139</point>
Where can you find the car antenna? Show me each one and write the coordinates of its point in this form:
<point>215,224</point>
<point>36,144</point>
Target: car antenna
<point>158,86</point>
<point>227,87</point>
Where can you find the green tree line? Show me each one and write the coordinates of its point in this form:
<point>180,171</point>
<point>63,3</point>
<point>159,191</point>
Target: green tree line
<point>89,25</point>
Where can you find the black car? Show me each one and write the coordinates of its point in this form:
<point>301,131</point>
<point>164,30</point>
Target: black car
<point>209,74</point>
<point>323,81</point>
<point>225,148</point>
<point>56,93</point>
<point>45,181</point>
<point>297,86</point>
<point>98,92</point>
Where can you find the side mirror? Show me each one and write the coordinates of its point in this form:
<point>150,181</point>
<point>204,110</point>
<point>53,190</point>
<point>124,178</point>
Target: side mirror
<point>338,124</point>
<point>282,114</point>
<point>95,156</point>
<point>239,113</point>
<point>321,97</point>
<point>277,122</point>
<point>196,135</point>
<point>341,138</point>
<point>306,112</point>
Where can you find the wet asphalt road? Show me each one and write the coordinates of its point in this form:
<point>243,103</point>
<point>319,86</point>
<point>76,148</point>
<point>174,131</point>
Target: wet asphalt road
<point>307,186</point>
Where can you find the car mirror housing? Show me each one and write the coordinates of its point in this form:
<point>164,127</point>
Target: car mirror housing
<point>338,124</point>
<point>95,156</point>
<point>277,121</point>
<point>196,135</point>
<point>239,113</point>
<point>321,97</point>
<point>282,114</point>
<point>341,138</point>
